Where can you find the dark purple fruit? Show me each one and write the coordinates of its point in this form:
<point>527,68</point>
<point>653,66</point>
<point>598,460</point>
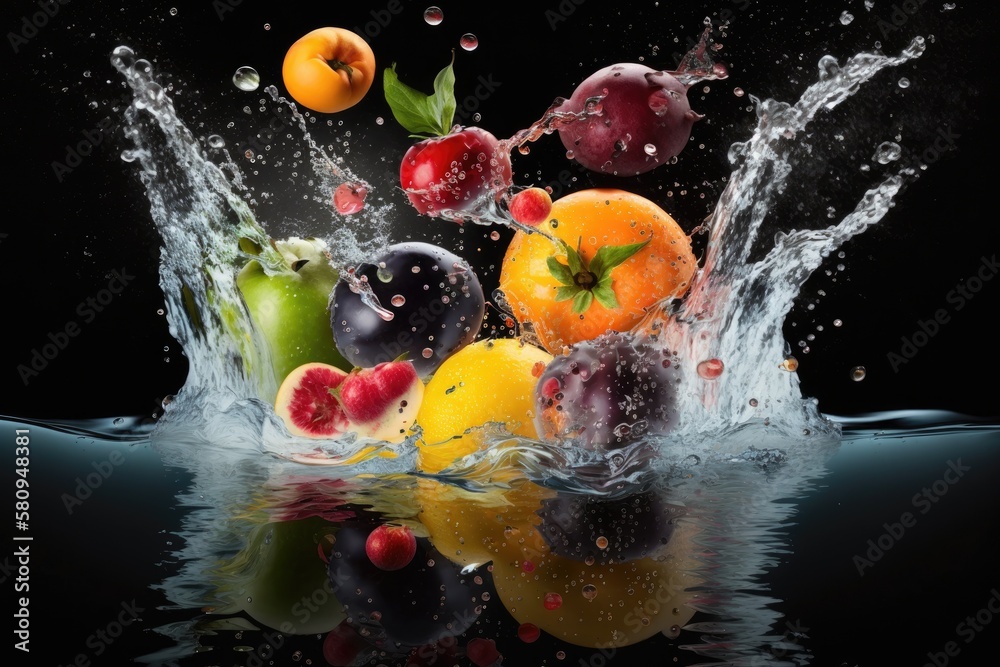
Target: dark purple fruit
<point>435,299</point>
<point>421,603</point>
<point>644,120</point>
<point>607,392</point>
<point>601,530</point>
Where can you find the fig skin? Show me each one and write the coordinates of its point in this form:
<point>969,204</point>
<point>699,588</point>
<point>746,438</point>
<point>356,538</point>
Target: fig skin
<point>640,106</point>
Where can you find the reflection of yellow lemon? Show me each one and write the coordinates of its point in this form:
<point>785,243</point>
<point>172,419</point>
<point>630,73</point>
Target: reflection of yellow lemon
<point>597,605</point>
<point>584,602</point>
<point>471,527</point>
<point>488,381</point>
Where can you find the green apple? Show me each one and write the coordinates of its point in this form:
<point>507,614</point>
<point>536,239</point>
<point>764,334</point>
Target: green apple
<point>287,290</point>
<point>279,579</point>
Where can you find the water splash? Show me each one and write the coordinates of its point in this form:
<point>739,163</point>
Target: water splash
<point>217,428</point>
<point>737,305</point>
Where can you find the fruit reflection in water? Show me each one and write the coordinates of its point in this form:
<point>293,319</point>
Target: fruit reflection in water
<point>568,593</point>
<point>276,570</point>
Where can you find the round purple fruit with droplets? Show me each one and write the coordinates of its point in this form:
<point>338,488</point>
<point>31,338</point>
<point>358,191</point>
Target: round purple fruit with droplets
<point>607,392</point>
<point>435,301</point>
<point>643,121</point>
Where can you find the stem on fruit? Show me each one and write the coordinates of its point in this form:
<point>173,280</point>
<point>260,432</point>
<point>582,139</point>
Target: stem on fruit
<point>340,65</point>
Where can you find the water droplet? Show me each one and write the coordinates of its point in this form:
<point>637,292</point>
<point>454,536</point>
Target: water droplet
<point>790,364</point>
<point>495,235</point>
<point>753,402</point>
<point>560,655</point>
<point>433,15</point>
<point>650,149</point>
<point>904,82</point>
<point>469,42</point>
<point>846,17</point>
<point>215,141</point>
<point>601,542</point>
<point>477,117</point>
<point>528,632</point>
<point>427,353</point>
<point>398,300</point>
<point>173,11</point>
<point>552,601</point>
<point>828,67</point>
<point>528,566</point>
<point>710,369</point>
<point>589,591</point>
<point>118,421</point>
<point>384,274</point>
<point>887,152</point>
<point>267,26</point>
<point>858,373</point>
<point>838,323</point>
<point>246,78</point>
<point>738,92</point>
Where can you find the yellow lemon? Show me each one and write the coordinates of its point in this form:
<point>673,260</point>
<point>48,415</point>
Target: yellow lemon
<point>490,381</point>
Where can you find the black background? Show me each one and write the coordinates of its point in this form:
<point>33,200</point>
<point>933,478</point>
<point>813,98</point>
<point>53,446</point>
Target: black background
<point>61,240</point>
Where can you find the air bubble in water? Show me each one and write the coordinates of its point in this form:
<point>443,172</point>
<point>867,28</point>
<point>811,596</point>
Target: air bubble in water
<point>433,15</point>
<point>589,591</point>
<point>469,42</point>
<point>246,78</point>
<point>887,152</point>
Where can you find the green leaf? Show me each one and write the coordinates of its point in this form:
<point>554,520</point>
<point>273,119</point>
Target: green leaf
<point>421,114</point>
<point>582,301</point>
<point>566,292</point>
<point>560,271</point>
<point>605,296</point>
<point>443,100</point>
<point>609,257</point>
<point>576,264</point>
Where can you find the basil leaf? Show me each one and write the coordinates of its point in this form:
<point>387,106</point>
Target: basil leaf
<point>422,114</point>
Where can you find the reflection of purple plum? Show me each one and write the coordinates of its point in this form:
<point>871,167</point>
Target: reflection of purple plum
<point>606,392</point>
<point>419,604</point>
<point>594,529</point>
